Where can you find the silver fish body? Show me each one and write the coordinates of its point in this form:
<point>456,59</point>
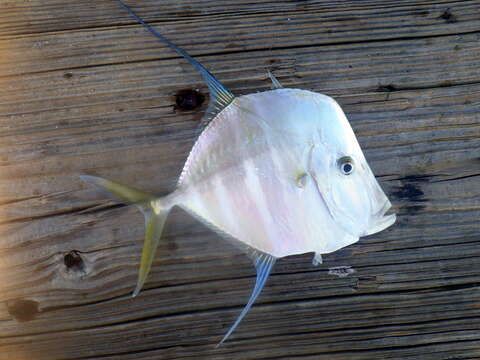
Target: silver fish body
<point>278,172</point>
<point>265,172</point>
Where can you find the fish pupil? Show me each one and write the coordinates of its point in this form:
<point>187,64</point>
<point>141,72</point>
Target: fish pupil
<point>345,165</point>
<point>347,168</point>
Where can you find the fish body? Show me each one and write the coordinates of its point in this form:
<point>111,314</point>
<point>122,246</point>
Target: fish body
<point>257,164</point>
<point>278,173</point>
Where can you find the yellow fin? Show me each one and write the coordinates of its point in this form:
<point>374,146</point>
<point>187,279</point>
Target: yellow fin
<point>125,193</point>
<point>155,216</point>
<point>154,223</point>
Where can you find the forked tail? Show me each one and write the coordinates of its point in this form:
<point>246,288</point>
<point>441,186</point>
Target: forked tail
<point>153,209</point>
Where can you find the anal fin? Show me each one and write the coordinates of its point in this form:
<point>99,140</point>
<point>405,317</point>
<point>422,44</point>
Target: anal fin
<point>263,265</point>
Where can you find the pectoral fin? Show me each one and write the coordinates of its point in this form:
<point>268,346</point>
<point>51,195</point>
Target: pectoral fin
<point>263,264</point>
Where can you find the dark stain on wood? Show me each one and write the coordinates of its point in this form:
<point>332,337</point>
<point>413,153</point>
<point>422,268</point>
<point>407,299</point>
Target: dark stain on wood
<point>448,16</point>
<point>22,310</point>
<point>412,209</point>
<point>416,178</point>
<point>386,88</point>
<point>422,13</point>
<point>347,19</point>
<point>410,191</point>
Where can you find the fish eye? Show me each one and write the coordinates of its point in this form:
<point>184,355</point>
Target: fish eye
<point>346,165</point>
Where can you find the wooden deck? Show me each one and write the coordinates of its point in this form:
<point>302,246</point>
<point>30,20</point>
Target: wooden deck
<point>83,89</point>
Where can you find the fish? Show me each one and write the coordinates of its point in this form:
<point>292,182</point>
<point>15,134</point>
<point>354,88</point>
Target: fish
<point>277,173</point>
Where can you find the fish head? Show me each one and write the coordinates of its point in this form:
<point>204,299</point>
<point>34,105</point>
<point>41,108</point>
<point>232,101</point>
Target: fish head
<point>343,178</point>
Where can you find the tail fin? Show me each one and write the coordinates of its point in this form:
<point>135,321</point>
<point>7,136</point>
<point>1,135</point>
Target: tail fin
<point>155,216</point>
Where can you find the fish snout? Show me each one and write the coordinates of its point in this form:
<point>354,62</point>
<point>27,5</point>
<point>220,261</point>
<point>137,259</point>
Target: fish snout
<point>379,221</point>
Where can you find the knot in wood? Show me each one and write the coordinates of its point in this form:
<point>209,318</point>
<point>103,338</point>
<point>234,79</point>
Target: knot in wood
<point>73,261</point>
<point>189,99</point>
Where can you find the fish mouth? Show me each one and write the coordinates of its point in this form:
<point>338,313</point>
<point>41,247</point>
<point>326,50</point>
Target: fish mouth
<point>379,220</point>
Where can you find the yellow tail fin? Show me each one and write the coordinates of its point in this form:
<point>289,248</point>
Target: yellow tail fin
<point>155,216</point>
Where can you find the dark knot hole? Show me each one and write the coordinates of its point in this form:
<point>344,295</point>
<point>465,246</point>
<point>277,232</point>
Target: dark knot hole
<point>73,261</point>
<point>189,99</point>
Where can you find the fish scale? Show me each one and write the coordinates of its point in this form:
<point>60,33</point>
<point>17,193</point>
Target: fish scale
<point>277,173</point>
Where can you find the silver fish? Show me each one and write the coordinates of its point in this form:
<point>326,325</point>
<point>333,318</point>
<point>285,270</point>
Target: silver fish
<point>278,173</point>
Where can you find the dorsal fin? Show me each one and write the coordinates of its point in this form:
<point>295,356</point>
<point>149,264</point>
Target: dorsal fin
<point>275,83</point>
<point>220,95</point>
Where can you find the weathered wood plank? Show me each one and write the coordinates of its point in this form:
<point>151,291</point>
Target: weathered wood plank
<point>404,17</point>
<point>84,90</point>
<point>291,26</point>
<point>126,113</point>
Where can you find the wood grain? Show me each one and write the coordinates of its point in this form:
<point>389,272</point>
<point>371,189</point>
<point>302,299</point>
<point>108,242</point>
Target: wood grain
<point>83,89</point>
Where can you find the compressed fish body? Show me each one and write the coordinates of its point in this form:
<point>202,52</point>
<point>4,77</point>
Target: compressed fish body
<point>278,173</point>
<point>248,174</point>
<point>254,174</point>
